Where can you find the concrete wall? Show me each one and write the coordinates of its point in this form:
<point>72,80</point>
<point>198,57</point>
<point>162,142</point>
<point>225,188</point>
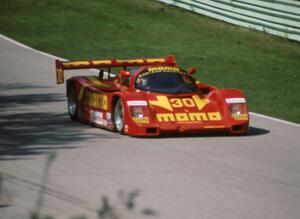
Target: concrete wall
<point>277,17</point>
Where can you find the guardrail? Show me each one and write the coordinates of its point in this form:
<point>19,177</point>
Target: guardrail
<point>277,17</point>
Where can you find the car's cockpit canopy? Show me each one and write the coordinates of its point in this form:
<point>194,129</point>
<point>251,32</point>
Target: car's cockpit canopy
<point>165,79</point>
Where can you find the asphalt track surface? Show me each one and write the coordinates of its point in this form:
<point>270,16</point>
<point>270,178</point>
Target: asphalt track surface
<point>191,177</point>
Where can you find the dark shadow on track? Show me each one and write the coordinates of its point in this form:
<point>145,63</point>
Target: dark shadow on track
<point>5,206</point>
<point>13,101</point>
<point>253,131</point>
<point>19,86</point>
<point>26,96</point>
<point>24,131</point>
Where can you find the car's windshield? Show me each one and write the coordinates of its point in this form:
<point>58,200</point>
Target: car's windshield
<point>165,80</point>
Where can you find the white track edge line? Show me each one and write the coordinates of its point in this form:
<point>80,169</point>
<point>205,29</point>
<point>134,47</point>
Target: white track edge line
<point>30,48</point>
<point>56,57</point>
<point>275,119</point>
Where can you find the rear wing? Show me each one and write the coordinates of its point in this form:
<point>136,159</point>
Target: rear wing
<point>109,63</point>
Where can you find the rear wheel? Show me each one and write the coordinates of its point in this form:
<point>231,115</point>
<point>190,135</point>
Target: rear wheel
<point>72,103</point>
<point>119,116</point>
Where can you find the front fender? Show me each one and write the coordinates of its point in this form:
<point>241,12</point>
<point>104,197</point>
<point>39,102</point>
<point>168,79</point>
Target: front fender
<point>132,125</point>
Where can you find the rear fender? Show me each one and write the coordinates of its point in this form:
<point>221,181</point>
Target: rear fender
<point>72,82</point>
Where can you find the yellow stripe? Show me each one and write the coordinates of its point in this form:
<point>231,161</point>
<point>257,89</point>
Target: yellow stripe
<point>81,91</point>
<point>155,60</point>
<point>214,127</point>
<point>131,61</point>
<point>77,63</point>
<point>95,83</point>
<point>101,62</point>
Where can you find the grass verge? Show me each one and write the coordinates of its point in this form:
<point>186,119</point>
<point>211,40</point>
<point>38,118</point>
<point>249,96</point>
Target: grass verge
<point>265,67</point>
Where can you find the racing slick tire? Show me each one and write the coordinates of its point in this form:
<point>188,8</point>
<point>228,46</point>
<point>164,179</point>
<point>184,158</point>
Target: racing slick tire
<point>118,117</point>
<point>72,103</point>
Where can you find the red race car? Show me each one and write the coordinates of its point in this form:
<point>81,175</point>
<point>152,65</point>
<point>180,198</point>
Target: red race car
<point>149,97</point>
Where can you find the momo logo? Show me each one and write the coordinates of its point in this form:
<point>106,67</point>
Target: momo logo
<point>194,102</point>
<point>169,104</point>
<point>188,117</point>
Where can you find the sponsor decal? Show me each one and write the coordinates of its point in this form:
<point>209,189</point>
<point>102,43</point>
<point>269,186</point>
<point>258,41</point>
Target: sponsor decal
<point>96,100</point>
<point>163,69</point>
<point>109,121</point>
<point>144,120</point>
<point>241,117</point>
<point>97,118</point>
<point>126,128</point>
<point>153,70</point>
<point>235,100</point>
<point>188,117</point>
<point>194,102</point>
<point>137,103</point>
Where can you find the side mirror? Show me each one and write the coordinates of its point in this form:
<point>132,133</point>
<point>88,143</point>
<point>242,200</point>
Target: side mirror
<point>124,74</point>
<point>192,70</point>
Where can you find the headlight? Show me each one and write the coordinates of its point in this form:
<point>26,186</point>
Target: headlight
<point>137,111</point>
<point>237,108</point>
<point>139,114</point>
<point>238,111</point>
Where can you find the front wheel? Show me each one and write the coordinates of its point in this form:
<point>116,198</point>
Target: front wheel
<point>119,116</point>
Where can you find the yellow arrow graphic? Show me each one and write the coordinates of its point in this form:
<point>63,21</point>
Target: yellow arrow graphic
<point>162,101</point>
<point>200,103</point>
